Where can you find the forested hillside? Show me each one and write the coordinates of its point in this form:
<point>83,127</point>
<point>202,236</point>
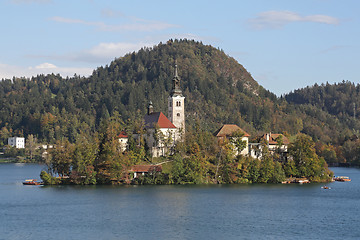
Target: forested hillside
<point>340,99</point>
<point>341,102</point>
<point>217,89</point>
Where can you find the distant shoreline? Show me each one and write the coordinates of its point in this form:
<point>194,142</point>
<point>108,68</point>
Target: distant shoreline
<point>8,160</point>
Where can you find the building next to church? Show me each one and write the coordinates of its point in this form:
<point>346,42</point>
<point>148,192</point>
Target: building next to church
<point>162,133</point>
<point>227,131</point>
<point>274,142</point>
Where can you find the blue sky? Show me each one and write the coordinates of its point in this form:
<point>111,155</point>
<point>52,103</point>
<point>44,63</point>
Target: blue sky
<point>284,44</point>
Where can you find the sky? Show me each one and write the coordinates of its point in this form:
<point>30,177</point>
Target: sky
<point>284,44</point>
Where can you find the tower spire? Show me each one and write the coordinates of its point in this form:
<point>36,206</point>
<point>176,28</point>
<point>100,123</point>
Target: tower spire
<point>176,82</point>
<point>176,106</point>
<point>150,108</point>
<point>176,73</point>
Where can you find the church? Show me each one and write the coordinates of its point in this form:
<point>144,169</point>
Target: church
<point>162,133</point>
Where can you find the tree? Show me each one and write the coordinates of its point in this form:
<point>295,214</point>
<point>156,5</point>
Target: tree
<point>254,170</point>
<point>110,164</point>
<point>84,156</point>
<point>31,145</point>
<point>279,174</point>
<point>4,135</point>
<point>306,160</point>
<point>61,158</point>
<point>290,169</point>
<point>236,139</point>
<point>266,166</point>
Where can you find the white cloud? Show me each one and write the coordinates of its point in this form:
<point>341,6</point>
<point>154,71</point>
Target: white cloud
<point>9,71</point>
<point>102,53</point>
<point>278,19</point>
<point>46,66</point>
<point>134,25</point>
<point>105,52</point>
<point>112,50</point>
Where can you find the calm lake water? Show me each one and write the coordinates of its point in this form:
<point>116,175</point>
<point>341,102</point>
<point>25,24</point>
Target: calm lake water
<point>177,212</point>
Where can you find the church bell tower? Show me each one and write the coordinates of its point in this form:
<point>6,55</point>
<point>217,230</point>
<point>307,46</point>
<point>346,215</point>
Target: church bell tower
<point>176,106</point>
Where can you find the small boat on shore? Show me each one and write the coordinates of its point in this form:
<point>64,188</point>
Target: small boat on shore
<point>342,179</point>
<point>32,182</point>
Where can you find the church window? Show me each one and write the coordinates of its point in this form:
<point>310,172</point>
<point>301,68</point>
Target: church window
<point>178,114</point>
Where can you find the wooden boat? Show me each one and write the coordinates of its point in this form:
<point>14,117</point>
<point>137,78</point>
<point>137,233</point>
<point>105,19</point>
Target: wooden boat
<point>342,179</point>
<point>32,182</point>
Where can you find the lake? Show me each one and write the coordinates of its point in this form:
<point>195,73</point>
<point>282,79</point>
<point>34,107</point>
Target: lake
<point>258,211</point>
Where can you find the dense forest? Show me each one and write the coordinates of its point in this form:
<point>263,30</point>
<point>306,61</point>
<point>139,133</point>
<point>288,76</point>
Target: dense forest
<point>340,102</point>
<point>217,88</point>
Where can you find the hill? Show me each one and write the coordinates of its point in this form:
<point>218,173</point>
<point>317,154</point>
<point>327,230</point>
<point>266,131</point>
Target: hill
<point>217,89</point>
<point>340,102</point>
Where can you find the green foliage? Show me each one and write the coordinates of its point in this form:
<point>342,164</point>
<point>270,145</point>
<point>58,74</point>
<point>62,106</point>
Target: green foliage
<point>48,179</point>
<point>188,170</point>
<point>307,162</point>
<point>84,156</point>
<point>110,163</point>
<point>254,170</point>
<point>13,152</point>
<point>94,159</point>
<point>278,173</point>
<point>236,139</point>
<point>332,117</point>
<point>62,158</point>
<point>266,168</point>
<point>290,169</point>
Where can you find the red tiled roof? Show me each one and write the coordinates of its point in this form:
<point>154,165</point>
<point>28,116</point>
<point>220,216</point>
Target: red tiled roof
<point>228,130</point>
<point>273,137</point>
<point>158,118</point>
<point>123,135</point>
<point>146,168</point>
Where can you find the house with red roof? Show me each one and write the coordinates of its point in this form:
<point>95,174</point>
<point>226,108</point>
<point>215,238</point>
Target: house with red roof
<point>275,143</point>
<point>227,131</point>
<point>145,169</point>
